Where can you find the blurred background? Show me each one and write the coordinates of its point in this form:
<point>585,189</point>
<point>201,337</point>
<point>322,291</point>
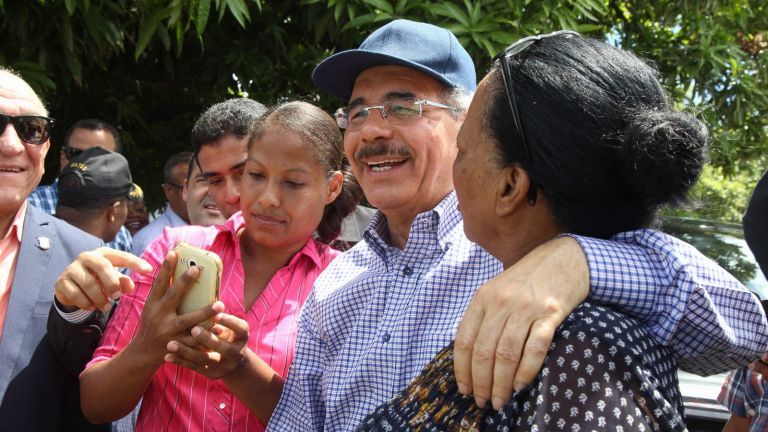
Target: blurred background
<point>151,67</point>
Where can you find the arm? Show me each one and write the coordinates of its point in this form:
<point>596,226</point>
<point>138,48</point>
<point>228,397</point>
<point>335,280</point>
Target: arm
<point>74,342</point>
<point>709,321</point>
<point>688,303</point>
<point>88,282</point>
<point>111,388</point>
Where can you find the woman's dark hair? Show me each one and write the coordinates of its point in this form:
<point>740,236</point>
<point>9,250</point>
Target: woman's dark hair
<point>607,149</point>
<point>319,131</point>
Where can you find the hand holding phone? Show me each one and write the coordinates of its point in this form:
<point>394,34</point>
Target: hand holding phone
<point>205,290</point>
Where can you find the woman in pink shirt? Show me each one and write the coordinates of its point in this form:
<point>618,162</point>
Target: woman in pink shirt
<point>295,192</point>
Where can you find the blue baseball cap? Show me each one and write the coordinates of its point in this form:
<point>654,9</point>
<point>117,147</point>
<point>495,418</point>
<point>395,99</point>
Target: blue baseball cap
<point>427,48</point>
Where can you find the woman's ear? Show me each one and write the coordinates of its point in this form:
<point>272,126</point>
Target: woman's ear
<point>335,182</point>
<point>512,190</point>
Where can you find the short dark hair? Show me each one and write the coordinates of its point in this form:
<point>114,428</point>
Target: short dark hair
<point>179,158</point>
<point>231,117</point>
<point>319,129</point>
<point>607,148</point>
<point>95,125</point>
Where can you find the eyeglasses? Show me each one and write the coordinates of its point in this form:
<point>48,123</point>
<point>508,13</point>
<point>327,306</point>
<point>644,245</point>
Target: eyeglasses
<point>70,152</point>
<point>173,185</point>
<point>31,129</point>
<point>517,49</point>
<point>396,111</point>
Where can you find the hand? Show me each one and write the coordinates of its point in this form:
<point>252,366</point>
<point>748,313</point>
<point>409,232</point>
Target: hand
<point>761,366</point>
<point>91,280</point>
<point>506,332</point>
<point>225,347</point>
<point>159,320</point>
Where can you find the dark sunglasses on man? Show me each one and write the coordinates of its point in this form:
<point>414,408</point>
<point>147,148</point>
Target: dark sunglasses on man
<point>70,152</point>
<point>30,129</point>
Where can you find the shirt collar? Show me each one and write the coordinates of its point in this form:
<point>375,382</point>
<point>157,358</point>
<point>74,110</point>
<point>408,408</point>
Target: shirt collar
<point>17,226</point>
<point>175,219</point>
<point>444,219</point>
<point>311,248</point>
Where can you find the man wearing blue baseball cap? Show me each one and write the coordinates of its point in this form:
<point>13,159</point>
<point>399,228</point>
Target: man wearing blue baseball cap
<point>382,310</point>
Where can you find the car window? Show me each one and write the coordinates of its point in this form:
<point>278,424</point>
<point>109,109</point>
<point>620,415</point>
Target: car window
<point>724,244</point>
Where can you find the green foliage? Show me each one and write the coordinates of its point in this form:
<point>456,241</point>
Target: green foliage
<point>718,196</point>
<point>151,66</point>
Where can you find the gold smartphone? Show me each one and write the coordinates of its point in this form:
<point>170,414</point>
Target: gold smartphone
<point>205,290</point>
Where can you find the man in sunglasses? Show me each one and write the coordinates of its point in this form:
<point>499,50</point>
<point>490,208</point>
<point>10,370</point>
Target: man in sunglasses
<point>82,135</point>
<point>38,392</point>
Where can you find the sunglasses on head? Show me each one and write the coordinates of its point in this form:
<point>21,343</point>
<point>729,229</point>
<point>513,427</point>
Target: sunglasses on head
<point>30,129</point>
<point>516,51</point>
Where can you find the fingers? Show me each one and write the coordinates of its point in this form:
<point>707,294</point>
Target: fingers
<point>465,341</point>
<point>761,366</point>
<point>125,259</point>
<point>228,341</point>
<point>203,362</point>
<point>196,317</point>
<point>483,357</point>
<point>69,293</point>
<point>171,294</point>
<point>536,348</point>
<point>238,326</point>
<point>163,279</point>
<point>88,281</point>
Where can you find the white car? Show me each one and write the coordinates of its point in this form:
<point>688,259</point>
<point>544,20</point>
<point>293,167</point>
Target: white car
<point>723,243</point>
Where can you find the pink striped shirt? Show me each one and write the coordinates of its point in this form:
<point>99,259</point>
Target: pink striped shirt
<point>179,399</point>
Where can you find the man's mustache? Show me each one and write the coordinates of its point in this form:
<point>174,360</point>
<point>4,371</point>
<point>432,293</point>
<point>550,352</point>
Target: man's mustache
<point>381,148</point>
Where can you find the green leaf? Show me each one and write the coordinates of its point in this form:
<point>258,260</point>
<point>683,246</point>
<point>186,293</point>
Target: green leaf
<point>71,6</point>
<point>174,10</point>
<point>203,12</point>
<point>239,10</point>
<point>338,10</point>
<point>67,36</point>
<point>451,11</point>
<point>359,21</point>
<point>381,5</point>
<point>147,30</point>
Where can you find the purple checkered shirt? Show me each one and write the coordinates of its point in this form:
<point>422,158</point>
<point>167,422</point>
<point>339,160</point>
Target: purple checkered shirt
<point>378,314</point>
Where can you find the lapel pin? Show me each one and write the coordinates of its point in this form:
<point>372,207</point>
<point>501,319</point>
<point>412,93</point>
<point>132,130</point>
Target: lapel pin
<point>43,243</point>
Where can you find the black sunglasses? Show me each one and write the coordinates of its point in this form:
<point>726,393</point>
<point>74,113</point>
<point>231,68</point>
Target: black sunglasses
<point>517,49</point>
<point>31,129</point>
<point>70,152</point>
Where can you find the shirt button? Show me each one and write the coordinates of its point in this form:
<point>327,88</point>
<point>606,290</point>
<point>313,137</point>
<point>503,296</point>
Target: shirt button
<point>385,337</point>
<point>407,271</point>
<point>222,405</point>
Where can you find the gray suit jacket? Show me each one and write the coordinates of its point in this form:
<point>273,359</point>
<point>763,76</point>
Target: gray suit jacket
<point>38,392</point>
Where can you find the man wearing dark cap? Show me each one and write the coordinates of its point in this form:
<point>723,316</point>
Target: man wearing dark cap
<point>382,310</point>
<point>82,135</point>
<point>94,190</point>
